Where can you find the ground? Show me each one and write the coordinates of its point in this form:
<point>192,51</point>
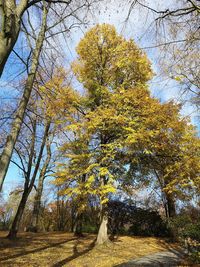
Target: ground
<point>63,249</point>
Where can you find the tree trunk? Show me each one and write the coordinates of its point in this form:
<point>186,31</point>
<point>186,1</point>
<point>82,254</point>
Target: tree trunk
<point>36,208</point>
<point>78,227</point>
<point>15,225</point>
<point>6,45</point>
<point>9,30</point>
<point>16,125</point>
<point>103,230</point>
<point>171,213</point>
<point>168,199</point>
<point>73,215</point>
<point>102,236</point>
<point>78,231</point>
<point>34,227</point>
<point>170,206</point>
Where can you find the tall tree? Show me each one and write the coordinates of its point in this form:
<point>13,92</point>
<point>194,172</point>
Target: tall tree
<point>119,123</point>
<point>55,26</point>
<point>11,17</point>
<point>19,116</point>
<point>28,171</point>
<point>106,71</point>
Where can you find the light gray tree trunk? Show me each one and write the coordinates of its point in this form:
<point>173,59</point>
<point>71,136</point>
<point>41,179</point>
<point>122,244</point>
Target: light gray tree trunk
<point>103,229</point>
<point>18,120</point>
<point>102,236</point>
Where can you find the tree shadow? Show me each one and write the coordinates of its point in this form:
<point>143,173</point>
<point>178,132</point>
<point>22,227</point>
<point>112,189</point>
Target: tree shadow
<point>36,250</point>
<point>75,255</point>
<point>25,239</point>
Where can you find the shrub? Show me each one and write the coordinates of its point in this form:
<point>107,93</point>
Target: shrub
<point>126,218</point>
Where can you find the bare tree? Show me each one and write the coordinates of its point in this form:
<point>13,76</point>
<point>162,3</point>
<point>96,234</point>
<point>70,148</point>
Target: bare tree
<point>29,153</point>
<point>18,120</point>
<point>11,16</point>
<point>58,17</point>
<point>176,31</point>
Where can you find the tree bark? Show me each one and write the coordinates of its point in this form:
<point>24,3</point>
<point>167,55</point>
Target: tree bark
<point>9,30</point>
<point>170,206</point>
<point>16,125</point>
<point>78,226</point>
<point>34,227</point>
<point>6,45</point>
<point>102,237</point>
<point>15,225</point>
<point>168,199</point>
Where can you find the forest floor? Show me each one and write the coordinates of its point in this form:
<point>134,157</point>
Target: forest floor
<point>57,249</point>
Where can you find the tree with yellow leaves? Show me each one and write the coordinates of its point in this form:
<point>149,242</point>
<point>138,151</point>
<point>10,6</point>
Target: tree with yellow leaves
<point>170,151</point>
<point>107,65</point>
<point>117,122</point>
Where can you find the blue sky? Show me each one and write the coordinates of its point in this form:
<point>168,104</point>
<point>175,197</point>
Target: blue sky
<point>138,27</point>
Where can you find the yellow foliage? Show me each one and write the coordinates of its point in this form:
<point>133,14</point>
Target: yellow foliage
<point>118,123</point>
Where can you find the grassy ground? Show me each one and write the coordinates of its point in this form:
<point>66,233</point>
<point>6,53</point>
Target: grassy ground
<point>63,249</point>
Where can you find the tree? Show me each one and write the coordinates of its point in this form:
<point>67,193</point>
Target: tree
<point>29,173</point>
<point>176,31</point>
<point>55,93</point>
<point>19,115</point>
<point>171,143</point>
<point>11,12</point>
<point>36,49</point>
<point>34,225</point>
<point>106,71</point>
<point>38,135</point>
<point>8,208</point>
<point>119,124</point>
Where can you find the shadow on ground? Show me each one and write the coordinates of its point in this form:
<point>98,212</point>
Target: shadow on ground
<point>30,243</point>
<point>35,250</point>
<point>75,255</point>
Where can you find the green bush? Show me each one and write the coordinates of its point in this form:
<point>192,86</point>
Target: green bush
<point>184,227</point>
<point>87,228</point>
<point>191,230</point>
<point>195,257</point>
<point>125,218</point>
<point>188,231</point>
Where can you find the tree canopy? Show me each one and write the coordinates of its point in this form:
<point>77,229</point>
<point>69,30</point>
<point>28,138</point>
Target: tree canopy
<point>120,126</point>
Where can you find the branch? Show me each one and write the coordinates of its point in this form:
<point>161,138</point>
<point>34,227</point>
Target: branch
<point>33,2</point>
<point>21,7</point>
<point>167,12</point>
<point>22,169</point>
<point>25,63</point>
<point>21,160</point>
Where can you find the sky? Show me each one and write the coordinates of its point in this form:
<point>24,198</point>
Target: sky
<point>139,27</point>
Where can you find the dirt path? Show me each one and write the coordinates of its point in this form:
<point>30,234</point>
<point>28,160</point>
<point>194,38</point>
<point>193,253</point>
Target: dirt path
<point>165,259</point>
